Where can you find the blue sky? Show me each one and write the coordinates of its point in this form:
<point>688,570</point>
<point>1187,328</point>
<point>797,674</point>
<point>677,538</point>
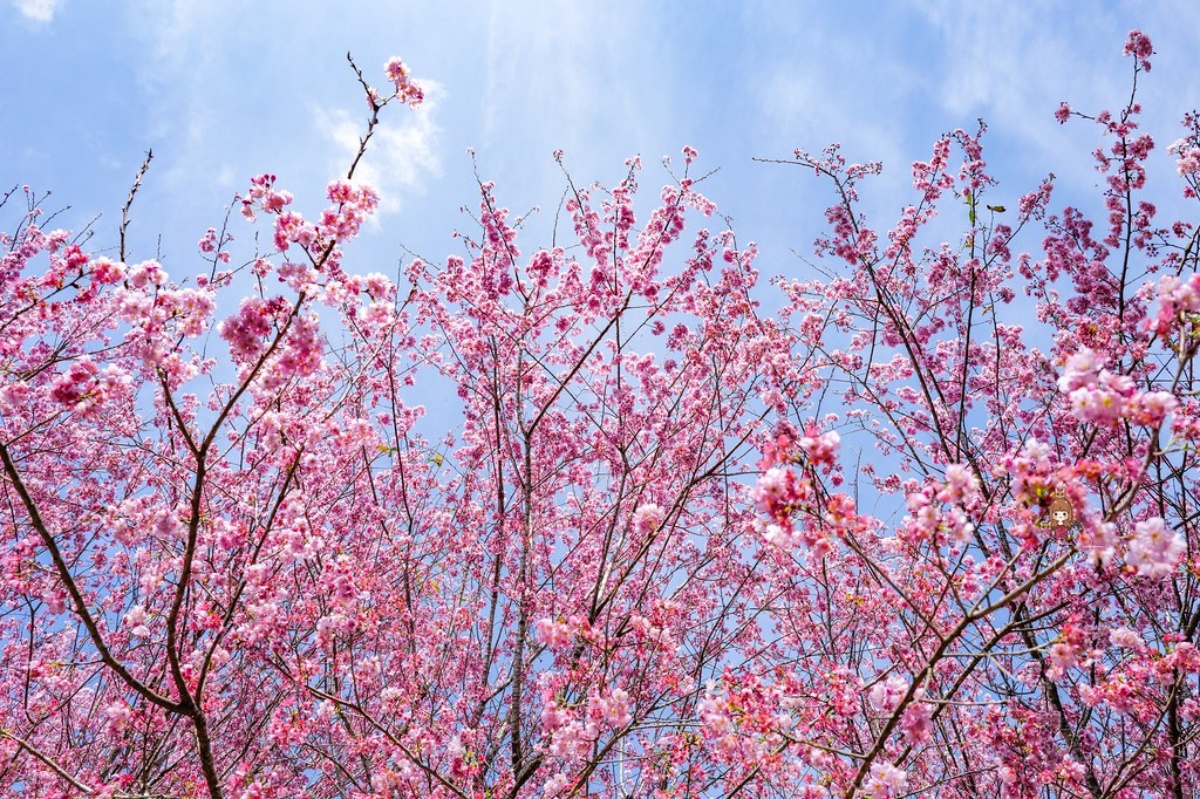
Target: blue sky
<point>225,89</point>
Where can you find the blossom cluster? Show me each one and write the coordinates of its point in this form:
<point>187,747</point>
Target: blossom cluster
<point>1154,551</point>
<point>407,90</point>
<point>1178,304</point>
<point>1139,46</point>
<point>929,521</point>
<point>886,782</point>
<point>85,387</point>
<point>1188,153</point>
<point>1099,396</point>
<point>781,493</point>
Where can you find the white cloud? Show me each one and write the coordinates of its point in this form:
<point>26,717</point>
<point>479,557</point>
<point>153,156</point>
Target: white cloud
<point>41,11</point>
<point>1014,62</point>
<point>401,154</point>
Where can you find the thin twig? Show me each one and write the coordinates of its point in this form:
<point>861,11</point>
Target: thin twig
<point>137,183</point>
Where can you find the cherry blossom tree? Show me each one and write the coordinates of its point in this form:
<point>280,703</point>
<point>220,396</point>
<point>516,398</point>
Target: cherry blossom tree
<point>899,537</point>
<point>981,644</point>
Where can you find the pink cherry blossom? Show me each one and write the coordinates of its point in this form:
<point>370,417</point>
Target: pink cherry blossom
<point>886,782</point>
<point>608,515</point>
<point>1153,550</point>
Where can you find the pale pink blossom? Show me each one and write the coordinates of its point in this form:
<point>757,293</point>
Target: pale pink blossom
<point>648,518</point>
<point>886,781</point>
<point>1125,638</point>
<point>135,619</point>
<point>1154,550</point>
<point>916,723</point>
<point>885,695</point>
<point>820,449</point>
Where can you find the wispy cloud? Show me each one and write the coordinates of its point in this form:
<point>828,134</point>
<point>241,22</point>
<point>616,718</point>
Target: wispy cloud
<point>40,11</point>
<point>1013,64</point>
<point>400,156</point>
